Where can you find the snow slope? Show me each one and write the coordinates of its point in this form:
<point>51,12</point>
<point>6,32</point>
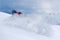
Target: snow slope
<point>3,15</point>
<point>11,31</point>
<point>8,32</point>
<point>32,22</point>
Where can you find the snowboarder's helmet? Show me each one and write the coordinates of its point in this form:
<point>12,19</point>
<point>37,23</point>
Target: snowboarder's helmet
<point>13,11</point>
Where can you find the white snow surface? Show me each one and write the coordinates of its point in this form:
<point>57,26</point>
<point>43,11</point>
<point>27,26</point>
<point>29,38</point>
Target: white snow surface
<point>3,15</point>
<point>27,27</point>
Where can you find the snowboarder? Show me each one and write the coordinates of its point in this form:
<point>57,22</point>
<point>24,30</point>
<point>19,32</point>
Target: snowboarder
<point>15,12</point>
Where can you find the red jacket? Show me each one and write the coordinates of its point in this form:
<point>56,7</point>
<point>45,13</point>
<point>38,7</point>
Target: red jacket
<point>18,13</point>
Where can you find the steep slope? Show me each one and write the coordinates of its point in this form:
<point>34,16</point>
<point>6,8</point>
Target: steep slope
<point>11,31</point>
<point>33,23</point>
<point>4,16</point>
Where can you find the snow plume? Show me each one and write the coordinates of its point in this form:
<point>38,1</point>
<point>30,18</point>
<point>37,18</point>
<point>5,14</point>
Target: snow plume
<point>50,10</point>
<point>32,22</point>
<point>52,18</point>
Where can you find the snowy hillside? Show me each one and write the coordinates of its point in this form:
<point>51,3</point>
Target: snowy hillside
<point>27,27</point>
<point>32,22</point>
<point>3,16</point>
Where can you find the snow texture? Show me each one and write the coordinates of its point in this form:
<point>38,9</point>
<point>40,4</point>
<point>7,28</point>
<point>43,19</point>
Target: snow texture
<point>33,23</point>
<point>27,27</point>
